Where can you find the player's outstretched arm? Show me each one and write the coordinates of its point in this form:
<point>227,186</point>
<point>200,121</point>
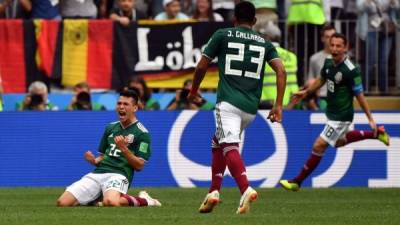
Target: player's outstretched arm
<point>364,105</point>
<point>298,96</point>
<point>275,114</point>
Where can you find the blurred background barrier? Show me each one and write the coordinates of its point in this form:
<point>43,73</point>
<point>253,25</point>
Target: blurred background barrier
<point>107,54</point>
<point>46,149</point>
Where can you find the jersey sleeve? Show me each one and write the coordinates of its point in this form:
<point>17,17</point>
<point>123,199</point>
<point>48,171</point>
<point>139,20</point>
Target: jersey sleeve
<point>213,45</point>
<point>271,52</point>
<point>356,81</point>
<point>103,142</point>
<point>142,146</point>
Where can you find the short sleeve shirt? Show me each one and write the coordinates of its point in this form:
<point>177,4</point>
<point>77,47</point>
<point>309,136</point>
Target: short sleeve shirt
<point>114,161</point>
<point>241,55</point>
<point>343,83</point>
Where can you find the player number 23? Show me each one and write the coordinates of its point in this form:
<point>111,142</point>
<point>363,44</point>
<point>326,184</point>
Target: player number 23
<point>240,57</point>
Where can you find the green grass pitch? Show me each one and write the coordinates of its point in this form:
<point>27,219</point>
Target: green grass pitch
<point>32,206</point>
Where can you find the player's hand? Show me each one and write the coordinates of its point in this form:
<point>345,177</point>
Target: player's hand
<point>374,128</point>
<point>121,142</point>
<point>90,157</point>
<point>298,96</point>
<point>275,115</point>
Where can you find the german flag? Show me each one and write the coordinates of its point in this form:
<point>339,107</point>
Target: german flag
<point>87,52</point>
<point>16,53</point>
<point>46,32</point>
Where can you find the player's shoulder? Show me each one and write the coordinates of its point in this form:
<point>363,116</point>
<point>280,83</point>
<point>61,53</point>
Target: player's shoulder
<point>113,124</point>
<point>349,65</point>
<point>141,127</point>
<point>223,31</point>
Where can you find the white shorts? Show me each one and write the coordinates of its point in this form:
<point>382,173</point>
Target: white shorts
<point>334,130</point>
<point>230,122</point>
<point>92,185</point>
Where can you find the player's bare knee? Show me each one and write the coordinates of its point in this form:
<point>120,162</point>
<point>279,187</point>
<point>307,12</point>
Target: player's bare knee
<point>340,143</point>
<point>319,147</point>
<point>63,203</point>
<point>111,202</point>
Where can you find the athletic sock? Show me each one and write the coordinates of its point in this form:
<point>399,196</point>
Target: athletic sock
<point>358,135</point>
<point>218,166</point>
<point>308,167</point>
<point>135,201</point>
<point>235,165</point>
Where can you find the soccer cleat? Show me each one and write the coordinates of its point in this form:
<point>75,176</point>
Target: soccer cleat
<point>150,201</point>
<point>289,185</point>
<point>210,201</point>
<point>249,196</point>
<point>383,136</point>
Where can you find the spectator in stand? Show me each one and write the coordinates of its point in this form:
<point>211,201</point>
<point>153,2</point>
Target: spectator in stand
<point>126,12</point>
<point>155,7</point>
<point>140,5</point>
<point>4,4</point>
<point>265,12</point>
<point>272,33</point>
<point>180,101</point>
<point>225,8</point>
<point>77,9</point>
<point>36,99</point>
<point>376,26</point>
<point>82,99</point>
<point>336,9</point>
<point>204,12</point>
<point>146,102</point>
<point>11,9</point>
<point>305,19</point>
<point>317,59</point>
<point>172,11</point>
<point>42,9</point>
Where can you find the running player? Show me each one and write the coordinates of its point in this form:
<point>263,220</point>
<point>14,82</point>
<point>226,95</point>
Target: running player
<point>242,54</point>
<point>343,81</point>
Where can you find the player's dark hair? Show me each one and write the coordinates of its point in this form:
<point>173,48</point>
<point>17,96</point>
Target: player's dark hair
<point>130,94</point>
<point>341,36</point>
<point>245,12</point>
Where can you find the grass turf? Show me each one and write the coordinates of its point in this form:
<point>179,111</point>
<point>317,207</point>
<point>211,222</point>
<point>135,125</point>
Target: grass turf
<point>274,206</point>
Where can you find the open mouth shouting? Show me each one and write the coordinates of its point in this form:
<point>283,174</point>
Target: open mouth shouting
<point>122,115</point>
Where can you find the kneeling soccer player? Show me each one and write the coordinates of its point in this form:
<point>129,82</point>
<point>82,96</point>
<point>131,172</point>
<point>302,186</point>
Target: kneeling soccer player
<point>124,148</point>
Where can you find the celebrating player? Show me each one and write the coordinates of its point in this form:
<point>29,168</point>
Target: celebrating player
<point>343,80</point>
<point>124,147</point>
<point>242,54</point>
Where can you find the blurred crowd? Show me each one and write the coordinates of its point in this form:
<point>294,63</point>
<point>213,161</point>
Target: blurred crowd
<point>299,29</point>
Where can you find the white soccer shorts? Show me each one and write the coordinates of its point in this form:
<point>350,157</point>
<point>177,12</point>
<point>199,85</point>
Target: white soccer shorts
<point>230,122</point>
<point>90,186</point>
<point>334,130</point>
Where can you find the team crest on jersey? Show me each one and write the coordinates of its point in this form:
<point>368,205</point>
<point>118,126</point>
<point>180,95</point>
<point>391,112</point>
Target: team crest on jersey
<point>130,138</point>
<point>338,77</point>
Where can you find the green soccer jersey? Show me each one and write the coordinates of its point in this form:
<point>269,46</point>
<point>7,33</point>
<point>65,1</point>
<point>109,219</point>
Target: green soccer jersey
<point>114,161</point>
<point>241,55</point>
<point>343,82</point>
